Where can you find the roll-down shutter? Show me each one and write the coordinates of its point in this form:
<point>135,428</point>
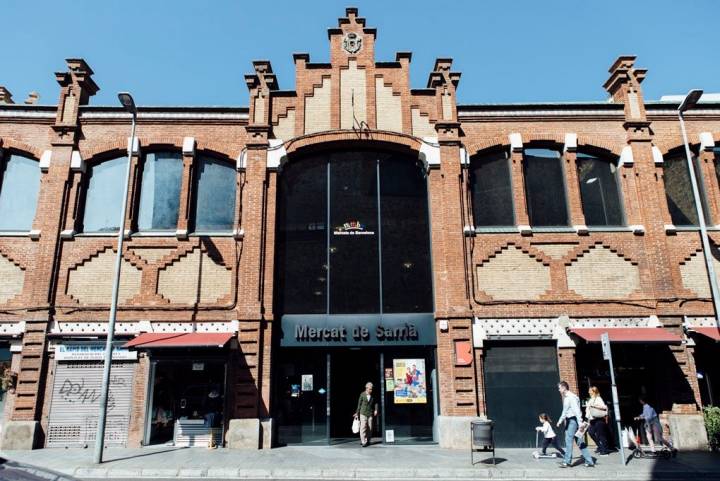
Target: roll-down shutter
<point>76,401</point>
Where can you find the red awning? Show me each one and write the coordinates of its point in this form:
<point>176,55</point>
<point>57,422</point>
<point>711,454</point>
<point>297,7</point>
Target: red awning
<point>629,334</point>
<point>181,339</point>
<point>711,332</point>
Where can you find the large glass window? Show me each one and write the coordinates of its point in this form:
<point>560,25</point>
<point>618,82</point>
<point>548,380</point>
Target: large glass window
<point>406,272</point>
<point>545,188</point>
<point>599,191</point>
<point>215,183</point>
<point>492,190</point>
<point>160,191</point>
<point>678,190</point>
<point>354,269</point>
<point>103,200</point>
<point>19,187</point>
<point>374,240</point>
<point>302,266</point>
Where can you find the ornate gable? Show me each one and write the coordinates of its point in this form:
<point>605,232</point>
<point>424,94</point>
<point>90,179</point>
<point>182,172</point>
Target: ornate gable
<point>354,92</point>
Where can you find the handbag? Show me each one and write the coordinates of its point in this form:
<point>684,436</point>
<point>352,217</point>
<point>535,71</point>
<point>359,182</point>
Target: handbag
<point>356,426</point>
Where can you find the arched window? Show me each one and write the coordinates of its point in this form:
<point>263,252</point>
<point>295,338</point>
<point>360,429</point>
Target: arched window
<point>160,191</point>
<point>103,198</point>
<point>19,187</point>
<point>599,191</point>
<point>215,182</point>
<point>375,257</point>
<point>545,188</point>
<point>491,188</point>
<point>678,189</point>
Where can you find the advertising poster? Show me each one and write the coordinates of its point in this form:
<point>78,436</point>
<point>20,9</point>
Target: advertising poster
<point>307,382</point>
<point>410,386</point>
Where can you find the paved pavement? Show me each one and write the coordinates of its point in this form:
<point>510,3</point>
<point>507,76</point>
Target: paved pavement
<point>352,462</point>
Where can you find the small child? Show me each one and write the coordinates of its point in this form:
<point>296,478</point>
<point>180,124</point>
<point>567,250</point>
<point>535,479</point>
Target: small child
<point>549,435</point>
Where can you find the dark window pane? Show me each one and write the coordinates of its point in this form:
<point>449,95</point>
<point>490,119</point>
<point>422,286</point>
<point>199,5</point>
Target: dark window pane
<point>214,195</point>
<point>354,270</point>
<point>492,190</point>
<point>302,269</point>
<point>103,200</point>
<point>678,191</point>
<point>545,188</point>
<point>406,273</point>
<point>20,183</point>
<point>599,191</point>
<point>160,191</point>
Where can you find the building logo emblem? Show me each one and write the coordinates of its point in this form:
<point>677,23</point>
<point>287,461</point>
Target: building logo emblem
<point>352,227</point>
<point>352,43</point>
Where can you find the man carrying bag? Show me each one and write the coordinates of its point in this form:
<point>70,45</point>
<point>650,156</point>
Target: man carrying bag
<point>367,409</point>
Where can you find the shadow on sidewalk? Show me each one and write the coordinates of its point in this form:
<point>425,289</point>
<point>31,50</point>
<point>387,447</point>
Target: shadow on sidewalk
<point>109,459</point>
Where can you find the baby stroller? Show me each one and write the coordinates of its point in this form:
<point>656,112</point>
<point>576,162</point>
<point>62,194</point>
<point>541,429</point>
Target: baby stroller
<point>640,450</point>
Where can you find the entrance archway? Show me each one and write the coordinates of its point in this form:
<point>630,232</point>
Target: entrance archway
<point>354,291</point>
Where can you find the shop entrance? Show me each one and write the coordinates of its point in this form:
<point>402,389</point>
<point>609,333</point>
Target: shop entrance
<point>641,369</point>
<point>311,410</point>
<point>350,370</point>
<point>187,400</point>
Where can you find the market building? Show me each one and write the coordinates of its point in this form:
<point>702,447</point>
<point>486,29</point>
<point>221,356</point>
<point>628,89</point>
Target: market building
<point>463,258</point>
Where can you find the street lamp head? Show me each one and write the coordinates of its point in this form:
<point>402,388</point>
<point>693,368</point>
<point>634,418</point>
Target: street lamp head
<point>127,102</point>
<point>690,100</point>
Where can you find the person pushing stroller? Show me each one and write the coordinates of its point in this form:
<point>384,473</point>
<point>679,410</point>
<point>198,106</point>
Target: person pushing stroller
<point>653,428</point>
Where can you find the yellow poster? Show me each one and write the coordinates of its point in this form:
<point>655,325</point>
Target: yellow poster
<point>410,386</point>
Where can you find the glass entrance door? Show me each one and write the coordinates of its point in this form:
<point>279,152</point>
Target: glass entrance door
<point>350,370</point>
<point>302,393</point>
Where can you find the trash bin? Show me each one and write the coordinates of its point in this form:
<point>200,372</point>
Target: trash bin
<point>482,438</point>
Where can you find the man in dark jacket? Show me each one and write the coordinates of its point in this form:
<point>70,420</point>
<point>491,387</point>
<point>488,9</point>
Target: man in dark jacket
<point>367,409</point>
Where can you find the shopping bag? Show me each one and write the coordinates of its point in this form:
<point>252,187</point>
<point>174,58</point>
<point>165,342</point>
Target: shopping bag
<point>356,426</point>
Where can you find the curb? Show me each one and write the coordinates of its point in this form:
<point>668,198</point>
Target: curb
<point>385,474</point>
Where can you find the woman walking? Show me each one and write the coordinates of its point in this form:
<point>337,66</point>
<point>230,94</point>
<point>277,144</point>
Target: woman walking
<point>595,412</point>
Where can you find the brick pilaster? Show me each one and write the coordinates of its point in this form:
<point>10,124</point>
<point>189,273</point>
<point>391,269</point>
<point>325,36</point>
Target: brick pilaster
<point>76,88</point>
<point>624,87</point>
<point>568,367</point>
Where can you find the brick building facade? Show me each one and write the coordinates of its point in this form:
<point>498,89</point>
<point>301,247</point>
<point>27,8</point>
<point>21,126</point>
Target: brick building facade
<point>515,302</point>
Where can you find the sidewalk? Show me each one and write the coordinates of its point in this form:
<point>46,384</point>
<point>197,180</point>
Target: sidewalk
<point>352,462</point>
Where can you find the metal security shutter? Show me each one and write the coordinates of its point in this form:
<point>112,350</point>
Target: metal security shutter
<point>520,383</point>
<point>76,401</point>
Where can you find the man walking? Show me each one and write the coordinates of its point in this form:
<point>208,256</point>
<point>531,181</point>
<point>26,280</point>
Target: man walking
<point>367,409</point>
<point>572,415</point>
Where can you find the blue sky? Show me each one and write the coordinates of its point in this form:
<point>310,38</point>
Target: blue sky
<point>184,52</point>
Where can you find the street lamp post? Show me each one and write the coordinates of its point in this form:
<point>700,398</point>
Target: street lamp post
<point>689,102</point>
<point>129,104</point>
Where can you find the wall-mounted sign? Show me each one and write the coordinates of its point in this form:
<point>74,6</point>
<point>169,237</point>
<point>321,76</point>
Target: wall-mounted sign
<point>307,382</point>
<point>352,227</point>
<point>389,435</point>
<point>198,366</point>
<point>358,330</point>
<point>92,351</point>
<point>463,353</point>
<point>410,386</point>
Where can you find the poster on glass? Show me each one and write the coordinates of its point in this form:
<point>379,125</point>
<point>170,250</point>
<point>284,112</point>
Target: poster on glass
<point>410,387</point>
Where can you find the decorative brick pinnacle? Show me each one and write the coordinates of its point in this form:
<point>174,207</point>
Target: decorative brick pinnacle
<point>624,73</point>
<point>263,78</point>
<point>5,96</point>
<point>441,74</point>
<point>79,74</point>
